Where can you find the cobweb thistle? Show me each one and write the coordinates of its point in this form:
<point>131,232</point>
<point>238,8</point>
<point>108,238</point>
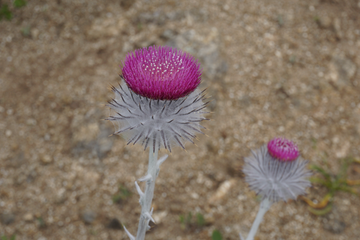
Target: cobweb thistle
<point>157,101</point>
<point>157,106</point>
<point>275,172</point>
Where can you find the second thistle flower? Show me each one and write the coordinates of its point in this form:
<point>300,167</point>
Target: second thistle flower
<point>158,102</point>
<point>277,171</point>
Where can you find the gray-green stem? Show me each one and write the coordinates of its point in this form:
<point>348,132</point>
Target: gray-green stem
<point>264,207</point>
<point>146,199</point>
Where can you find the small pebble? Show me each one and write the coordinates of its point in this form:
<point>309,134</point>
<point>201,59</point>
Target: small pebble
<point>9,112</point>
<point>28,217</point>
<point>222,191</point>
<point>8,133</point>
<point>46,159</point>
<point>88,217</point>
<point>159,216</point>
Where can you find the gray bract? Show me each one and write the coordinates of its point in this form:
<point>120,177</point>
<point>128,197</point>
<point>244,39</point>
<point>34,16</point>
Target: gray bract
<point>164,122</point>
<point>274,179</point>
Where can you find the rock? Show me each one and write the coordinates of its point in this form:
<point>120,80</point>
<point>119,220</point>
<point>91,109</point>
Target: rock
<point>8,133</point>
<point>342,70</point>
<point>47,137</point>
<point>114,224</point>
<point>34,32</point>
<point>46,159</point>
<point>7,218</point>
<point>28,217</point>
<point>159,216</point>
<point>209,219</point>
<point>61,196</point>
<point>222,191</point>
<point>88,216</point>
<point>344,149</point>
<point>10,112</point>
<point>325,22</point>
<point>194,195</point>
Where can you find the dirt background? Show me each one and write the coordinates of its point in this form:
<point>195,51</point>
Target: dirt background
<point>272,68</point>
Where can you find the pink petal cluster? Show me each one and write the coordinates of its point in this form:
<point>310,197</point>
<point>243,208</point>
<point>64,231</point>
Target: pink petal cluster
<point>283,149</point>
<point>161,72</point>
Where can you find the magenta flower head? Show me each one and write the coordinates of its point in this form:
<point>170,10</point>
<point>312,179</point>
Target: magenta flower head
<point>277,171</point>
<point>158,103</point>
<point>161,73</point>
<point>283,149</point>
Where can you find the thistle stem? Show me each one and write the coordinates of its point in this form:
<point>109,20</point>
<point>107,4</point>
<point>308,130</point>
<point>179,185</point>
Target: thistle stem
<point>146,199</point>
<point>264,207</point>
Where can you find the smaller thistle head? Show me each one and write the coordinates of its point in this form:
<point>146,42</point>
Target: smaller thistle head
<point>283,149</point>
<point>277,171</point>
<point>161,73</point>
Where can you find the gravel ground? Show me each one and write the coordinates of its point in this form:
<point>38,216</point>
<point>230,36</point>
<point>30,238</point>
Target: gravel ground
<point>272,68</point>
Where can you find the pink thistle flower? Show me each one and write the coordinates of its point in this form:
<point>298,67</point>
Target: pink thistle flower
<point>276,173</point>
<point>283,149</point>
<point>161,73</point>
<point>158,103</point>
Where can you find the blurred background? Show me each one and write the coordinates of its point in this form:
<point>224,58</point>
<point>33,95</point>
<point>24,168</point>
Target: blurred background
<point>272,68</point>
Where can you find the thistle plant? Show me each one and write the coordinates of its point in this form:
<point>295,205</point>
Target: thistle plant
<point>275,172</point>
<point>158,106</point>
